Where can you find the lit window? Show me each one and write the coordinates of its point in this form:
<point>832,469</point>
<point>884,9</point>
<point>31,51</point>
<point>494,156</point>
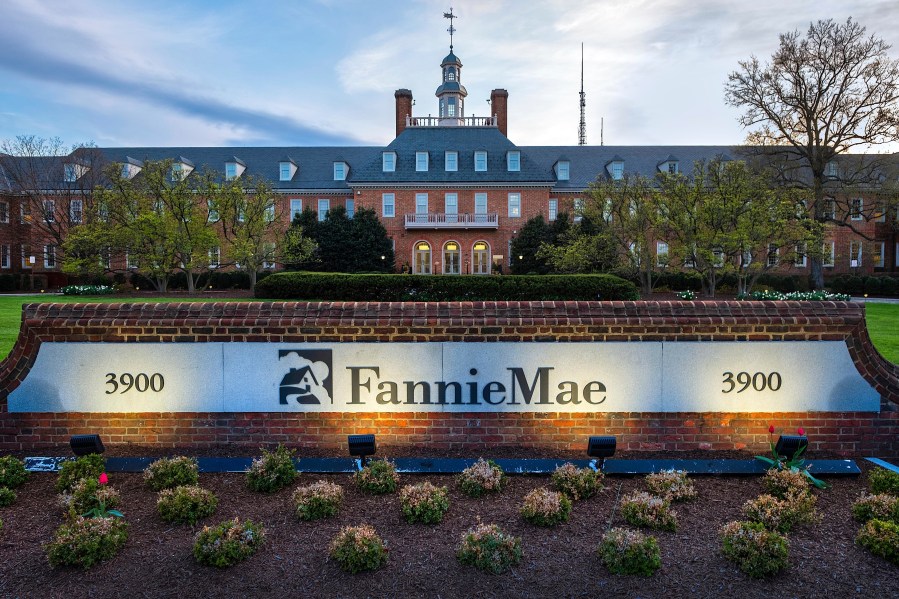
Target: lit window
<point>421,261</point>
<point>421,203</point>
<point>296,207</point>
<point>513,161</point>
<point>855,254</point>
<point>452,161</point>
<point>880,213</point>
<point>800,260</point>
<point>480,258</point>
<point>878,254</point>
<point>286,172</point>
<point>827,254</point>
<point>856,206</point>
<point>76,211</point>
<point>5,258</point>
<point>480,204</point>
<point>480,161</point>
<point>514,205</point>
<point>388,162</point>
<point>451,258</point>
<point>562,170</point>
<point>323,207</point>
<point>388,206</point>
<point>27,258</point>
<point>421,161</point>
<point>215,256</point>
<point>49,256</point>
<point>230,171</point>
<point>340,171</point>
<point>25,212</point>
<point>350,208</point>
<point>661,253</point>
<point>70,174</point>
<point>553,209</point>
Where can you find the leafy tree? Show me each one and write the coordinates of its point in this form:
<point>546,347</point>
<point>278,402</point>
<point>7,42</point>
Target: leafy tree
<point>821,95</point>
<point>343,244</point>
<point>536,232</point>
<point>585,247</point>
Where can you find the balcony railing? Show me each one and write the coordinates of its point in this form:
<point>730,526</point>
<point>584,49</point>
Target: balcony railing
<point>440,121</point>
<point>441,220</point>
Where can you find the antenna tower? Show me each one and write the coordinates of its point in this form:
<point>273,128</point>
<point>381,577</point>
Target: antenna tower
<point>582,128</point>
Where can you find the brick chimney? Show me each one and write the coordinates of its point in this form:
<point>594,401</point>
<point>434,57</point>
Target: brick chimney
<point>499,99</point>
<point>403,108</point>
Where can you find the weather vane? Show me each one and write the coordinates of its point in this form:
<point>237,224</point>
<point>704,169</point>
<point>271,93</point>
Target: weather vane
<point>449,15</point>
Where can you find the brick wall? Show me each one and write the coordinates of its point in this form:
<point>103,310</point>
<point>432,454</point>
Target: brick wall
<point>860,433</point>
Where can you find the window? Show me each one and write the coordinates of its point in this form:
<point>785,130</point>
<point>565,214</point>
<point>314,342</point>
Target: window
<point>177,173</point>
<point>270,212</point>
<point>4,212</point>
<point>269,250</point>
<point>514,205</point>
<point>480,161</point>
<point>855,254</point>
<point>27,258</point>
<point>553,209</point>
<point>49,211</point>
<point>421,161</point>
<point>323,207</point>
<point>451,106</point>
<point>616,169</point>
<point>831,169</point>
<point>451,207</point>
<point>285,171</point>
<point>451,74</point>
<point>578,209</point>
<point>106,258</point>
<point>213,211</point>
<point>480,258</point>
<point>49,256</point>
<point>421,261</point>
<point>717,258</point>
<point>773,252</point>
<point>350,207</point>
<point>388,205</point>
<point>829,210</point>
<point>25,212</point>
<point>562,170</point>
<point>480,207</point>
<point>296,207</point>
<point>388,162</point>
<point>672,168</point>
<point>800,260</point>
<point>451,161</point>
<point>856,205</point>
<point>70,174</point>
<point>76,211</point>
<point>340,171</point>
<point>513,161</point>
<point>661,253</point>
<point>131,263</point>
<point>827,254</point>
<point>5,261</point>
<point>451,254</point>
<point>215,256</point>
<point>878,254</point>
<point>880,213</point>
<point>421,203</point>
<point>230,171</point>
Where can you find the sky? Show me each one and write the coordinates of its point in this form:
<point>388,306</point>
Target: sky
<point>323,72</point>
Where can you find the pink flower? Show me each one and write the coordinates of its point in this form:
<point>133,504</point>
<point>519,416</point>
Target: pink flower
<point>771,429</point>
<point>801,432</point>
<point>104,480</point>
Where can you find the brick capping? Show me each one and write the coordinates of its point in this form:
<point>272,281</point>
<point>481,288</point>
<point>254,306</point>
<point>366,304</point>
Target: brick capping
<point>549,321</point>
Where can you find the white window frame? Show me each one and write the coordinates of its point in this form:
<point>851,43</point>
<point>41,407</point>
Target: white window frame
<point>269,250</point>
<point>880,215</point>
<point>480,203</point>
<point>553,211</point>
<point>230,171</point>
<point>831,169</point>
<point>801,260</point>
<point>563,170</point>
<point>215,257</point>
<point>513,161</point>
<point>49,211</point>
<point>616,170</point>
<point>856,213</point>
<point>480,161</point>
<point>661,254</point>
<point>284,171</point>
<point>828,252</point>
<point>881,246</point>
<point>856,252</point>
<point>296,207</point>
<point>421,162</point>
<point>514,205</point>
<point>340,169</point>
<point>50,262</point>
<point>388,162</point>
<point>421,204</point>
<point>350,207</point>
<point>487,265</point>
<point>76,211</point>
<point>270,212</point>
<point>773,256</point>
<point>451,161</point>
<point>457,267</point>
<point>451,205</point>
<point>388,205</point>
<point>70,173</point>
<point>326,203</point>
<point>578,209</point>
<point>212,211</point>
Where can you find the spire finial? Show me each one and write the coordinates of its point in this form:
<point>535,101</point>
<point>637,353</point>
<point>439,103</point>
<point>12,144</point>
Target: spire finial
<point>449,15</point>
<point>582,127</point>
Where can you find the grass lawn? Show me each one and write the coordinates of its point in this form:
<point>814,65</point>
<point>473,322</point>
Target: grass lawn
<point>883,326</point>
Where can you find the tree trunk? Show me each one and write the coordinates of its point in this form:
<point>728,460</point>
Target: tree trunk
<point>252,273</point>
<point>191,285</point>
<point>817,265</point>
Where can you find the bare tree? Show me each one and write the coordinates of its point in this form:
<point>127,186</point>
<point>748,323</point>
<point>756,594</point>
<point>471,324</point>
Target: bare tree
<point>823,94</point>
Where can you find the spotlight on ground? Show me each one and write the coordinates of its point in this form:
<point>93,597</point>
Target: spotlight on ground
<point>790,446</point>
<point>362,446</point>
<point>86,444</point>
<point>601,447</point>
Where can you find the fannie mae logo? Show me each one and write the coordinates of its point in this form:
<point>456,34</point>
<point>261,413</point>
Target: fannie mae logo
<point>308,379</point>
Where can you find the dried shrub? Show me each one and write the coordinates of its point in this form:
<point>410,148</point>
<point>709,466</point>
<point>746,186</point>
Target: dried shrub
<point>186,504</point>
<point>83,542</point>
<point>377,478</point>
<point>673,485</point>
<point>781,483</point>
<point>87,494</point>
<point>757,551</point>
<point>488,548</point>
<point>880,538</point>
<point>71,471</point>
<point>227,543</point>
<point>545,508</point>
<point>424,503</point>
<point>884,481</point>
<point>642,509</point>
<point>876,507</point>
<point>577,483</point>
<point>273,471</point>
<point>624,551</point>
<point>12,472</point>
<point>782,515</point>
<point>358,549</point>
<point>168,473</point>
<point>7,497</point>
<point>482,477</point>
<point>321,499</point>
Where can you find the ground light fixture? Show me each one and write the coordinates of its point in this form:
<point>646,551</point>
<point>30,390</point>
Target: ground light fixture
<point>362,446</point>
<point>86,444</point>
<point>789,445</point>
<point>601,447</point>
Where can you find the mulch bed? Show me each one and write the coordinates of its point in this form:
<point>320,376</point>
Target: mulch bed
<point>558,562</point>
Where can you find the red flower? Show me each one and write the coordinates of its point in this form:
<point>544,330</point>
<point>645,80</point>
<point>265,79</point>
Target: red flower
<point>801,432</point>
<point>771,429</point>
<point>104,480</point>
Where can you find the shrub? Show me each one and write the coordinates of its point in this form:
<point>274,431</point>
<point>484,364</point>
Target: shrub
<point>85,541</point>
<point>781,515</point>
<point>272,471</point>
<point>757,551</point>
<point>377,478</point>
<point>7,497</point>
<point>673,485</point>
<point>168,473</point>
<point>624,551</point>
<point>486,547</point>
<point>880,538</point>
<point>642,509</point>
<point>227,543</point>
<point>545,508</point>
<point>358,548</point>
<point>186,504</point>
<point>482,477</point>
<point>876,507</point>
<point>886,481</point>
<point>424,503</point>
<point>783,482</point>
<point>86,466</point>
<point>12,472</point>
<point>321,499</point>
<point>87,290</point>
<point>87,494</point>
<point>577,483</point>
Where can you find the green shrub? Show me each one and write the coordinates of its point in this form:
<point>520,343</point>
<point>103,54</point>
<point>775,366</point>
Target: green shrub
<point>781,515</point>
<point>228,543</point>
<point>87,290</point>
<point>784,482</point>
<point>272,471</point>
<point>673,485</point>
<point>377,478</point>
<point>168,473</point>
<point>321,499</point>
<point>882,480</point>
<point>624,551</point>
<point>87,494</point>
<point>876,507</point>
<point>889,286</point>
<point>7,497</point>
<point>358,549</point>
<point>83,542</point>
<point>482,477</point>
<point>12,472</point>
<point>186,504</point>
<point>405,288</point>
<point>488,548</point>
<point>880,538</point>
<point>543,507</point>
<point>424,503</point>
<point>642,509</point>
<point>577,483</point>
<point>757,551</point>
<point>86,466</point>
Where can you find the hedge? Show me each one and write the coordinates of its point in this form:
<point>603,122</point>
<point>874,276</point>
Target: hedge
<point>423,288</point>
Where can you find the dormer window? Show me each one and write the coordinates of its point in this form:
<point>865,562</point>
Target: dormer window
<point>513,161</point>
<point>616,169</point>
<point>451,160</point>
<point>131,167</point>
<point>421,162</point>
<point>670,165</point>
<point>480,161</point>
<point>563,168</point>
<point>340,171</point>
<point>71,174</point>
<point>831,169</point>
<point>388,162</point>
<point>672,168</point>
<point>234,169</point>
<point>287,169</point>
<point>181,169</point>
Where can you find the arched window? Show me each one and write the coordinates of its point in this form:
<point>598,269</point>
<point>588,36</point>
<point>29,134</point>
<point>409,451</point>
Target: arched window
<point>421,260</point>
<point>480,258</point>
<point>451,74</point>
<point>451,255</point>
